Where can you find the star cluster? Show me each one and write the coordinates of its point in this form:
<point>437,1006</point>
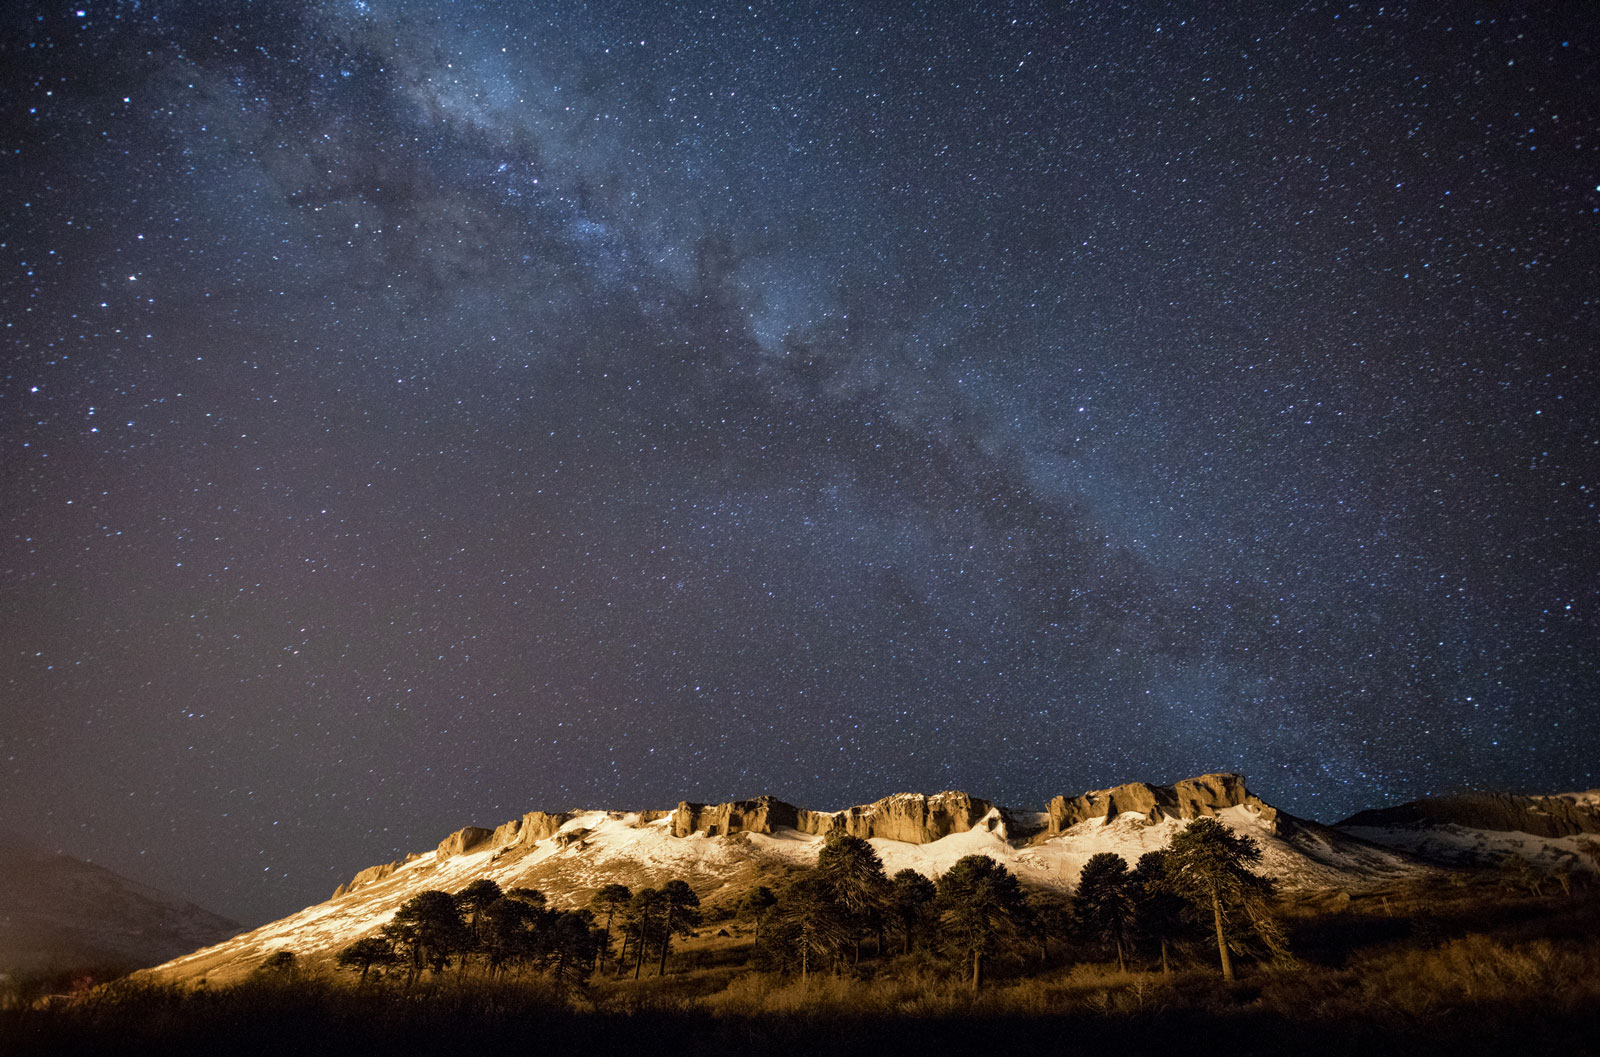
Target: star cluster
<point>414,413</point>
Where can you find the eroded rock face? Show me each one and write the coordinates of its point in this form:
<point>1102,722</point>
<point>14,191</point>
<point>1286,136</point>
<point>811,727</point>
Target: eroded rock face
<point>738,816</point>
<point>368,876</point>
<point>911,817</point>
<point>463,840</point>
<point>1188,799</point>
<point>1542,816</point>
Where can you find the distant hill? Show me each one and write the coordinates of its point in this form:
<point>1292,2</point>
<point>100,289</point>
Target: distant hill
<point>1478,829</point>
<point>722,850</point>
<point>57,912</point>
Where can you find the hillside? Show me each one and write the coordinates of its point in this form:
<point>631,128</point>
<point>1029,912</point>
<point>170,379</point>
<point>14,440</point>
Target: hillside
<point>722,850</point>
<point>58,912</point>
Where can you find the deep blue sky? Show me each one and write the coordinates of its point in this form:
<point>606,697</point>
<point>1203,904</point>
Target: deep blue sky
<point>417,413</point>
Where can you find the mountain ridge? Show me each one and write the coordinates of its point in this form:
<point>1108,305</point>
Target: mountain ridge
<point>722,850</point>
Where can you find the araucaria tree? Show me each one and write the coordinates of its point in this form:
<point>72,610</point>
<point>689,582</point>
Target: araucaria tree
<point>364,953</point>
<point>680,909</point>
<point>981,906</point>
<point>427,930</point>
<point>1157,910</point>
<point>854,876</point>
<point>608,901</point>
<point>1209,865</point>
<point>1105,903</point>
<point>755,905</point>
<point>812,924</point>
<point>911,897</point>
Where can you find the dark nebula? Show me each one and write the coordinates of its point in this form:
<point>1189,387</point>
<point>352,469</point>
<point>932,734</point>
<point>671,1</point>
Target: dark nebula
<point>417,413</point>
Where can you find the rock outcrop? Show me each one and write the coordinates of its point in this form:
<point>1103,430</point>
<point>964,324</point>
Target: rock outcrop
<point>1188,799</point>
<point>760,815</point>
<point>534,826</point>
<point>368,876</point>
<point>462,841</point>
<point>911,817</point>
<point>1542,816</point>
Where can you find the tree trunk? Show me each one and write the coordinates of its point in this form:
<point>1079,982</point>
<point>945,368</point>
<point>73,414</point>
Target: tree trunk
<point>1222,939</point>
<point>1165,970</point>
<point>805,963</point>
<point>1122,966</point>
<point>638,953</point>
<point>977,969</point>
<point>666,941</point>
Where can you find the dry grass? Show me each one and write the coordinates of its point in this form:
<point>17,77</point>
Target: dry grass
<point>1451,971</point>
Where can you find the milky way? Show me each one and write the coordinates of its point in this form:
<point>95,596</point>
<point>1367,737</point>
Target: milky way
<point>418,413</point>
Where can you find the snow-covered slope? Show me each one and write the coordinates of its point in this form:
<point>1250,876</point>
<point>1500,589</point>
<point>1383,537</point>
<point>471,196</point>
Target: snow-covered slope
<point>57,912</point>
<point>1479,829</point>
<point>593,848</point>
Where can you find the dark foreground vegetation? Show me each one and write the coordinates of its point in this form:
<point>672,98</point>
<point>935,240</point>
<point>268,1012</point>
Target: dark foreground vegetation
<point>843,960</point>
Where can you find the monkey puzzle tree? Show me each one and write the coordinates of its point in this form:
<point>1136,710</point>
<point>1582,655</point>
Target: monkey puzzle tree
<point>512,931</point>
<point>813,922</point>
<point>427,930</point>
<point>981,905</point>
<point>680,913</point>
<point>608,901</point>
<point>574,943</point>
<point>854,874</point>
<point>1105,902</point>
<point>364,953</point>
<point>911,897</point>
<point>1209,865</point>
<point>755,905</point>
<point>641,924</point>
<point>1157,910</point>
<point>472,901</point>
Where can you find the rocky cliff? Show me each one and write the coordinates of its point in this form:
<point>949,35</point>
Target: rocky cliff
<point>1543,816</point>
<point>915,818</point>
<point>1188,799</point>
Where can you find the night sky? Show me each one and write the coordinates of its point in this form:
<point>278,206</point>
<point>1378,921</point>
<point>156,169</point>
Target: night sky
<point>413,414</point>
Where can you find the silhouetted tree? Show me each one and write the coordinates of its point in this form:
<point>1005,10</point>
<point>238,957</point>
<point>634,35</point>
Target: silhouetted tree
<point>755,905</point>
<point>512,932</point>
<point>1209,865</point>
<point>364,953</point>
<point>911,897</point>
<point>1049,916</point>
<point>641,924</point>
<point>680,910</point>
<point>281,964</point>
<point>1104,902</point>
<point>854,874</point>
<point>1157,909</point>
<point>427,931</point>
<point>575,942</point>
<point>814,924</point>
<point>981,905</point>
<point>608,901</point>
